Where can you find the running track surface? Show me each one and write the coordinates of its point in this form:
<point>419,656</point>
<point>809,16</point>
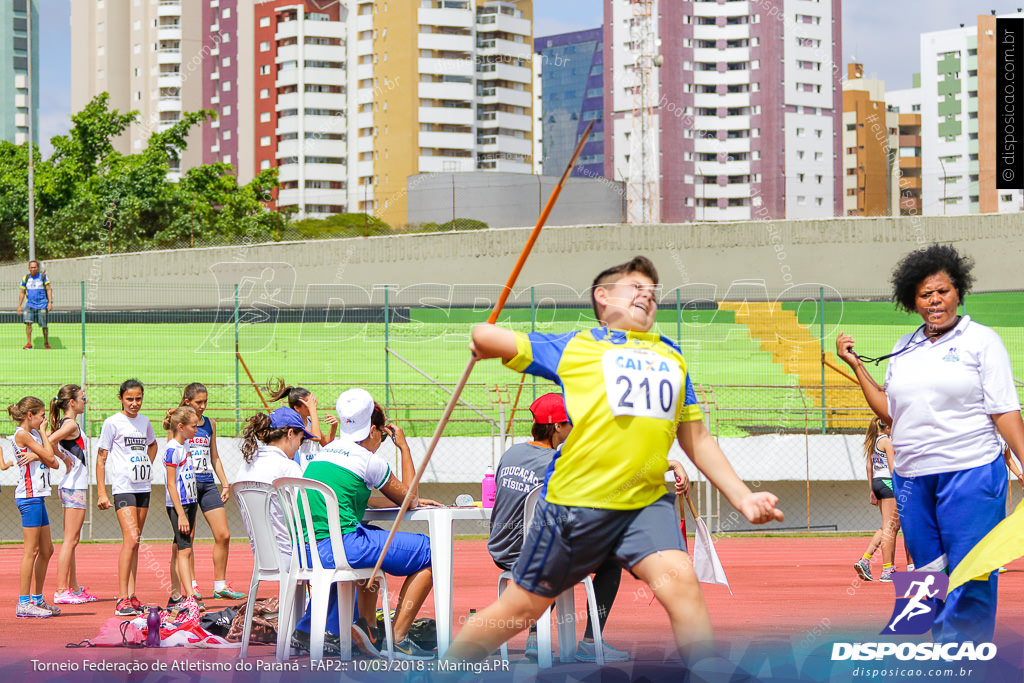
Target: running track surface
<point>783,590</point>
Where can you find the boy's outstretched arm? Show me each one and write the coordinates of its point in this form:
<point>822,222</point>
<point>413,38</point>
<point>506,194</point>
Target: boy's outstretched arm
<point>491,341</point>
<point>702,449</point>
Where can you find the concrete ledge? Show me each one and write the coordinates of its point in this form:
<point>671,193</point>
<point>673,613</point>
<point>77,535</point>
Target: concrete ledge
<point>852,256</point>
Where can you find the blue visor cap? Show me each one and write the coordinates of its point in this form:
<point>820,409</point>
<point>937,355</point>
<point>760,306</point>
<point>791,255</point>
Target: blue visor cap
<point>288,417</point>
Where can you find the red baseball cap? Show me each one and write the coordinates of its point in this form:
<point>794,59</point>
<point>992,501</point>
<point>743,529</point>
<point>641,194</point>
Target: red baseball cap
<point>549,409</point>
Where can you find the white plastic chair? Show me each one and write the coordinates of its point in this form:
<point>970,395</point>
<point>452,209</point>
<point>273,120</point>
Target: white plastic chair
<point>254,500</point>
<point>565,610</point>
<point>293,496</point>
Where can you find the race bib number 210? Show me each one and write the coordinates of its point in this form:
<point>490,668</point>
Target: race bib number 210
<point>641,383</point>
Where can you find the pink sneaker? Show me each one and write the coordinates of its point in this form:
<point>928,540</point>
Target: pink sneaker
<point>68,598</point>
<point>188,613</point>
<point>84,592</point>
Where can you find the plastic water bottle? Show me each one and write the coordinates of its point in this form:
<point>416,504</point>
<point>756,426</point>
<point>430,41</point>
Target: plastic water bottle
<point>153,627</point>
<point>489,488</point>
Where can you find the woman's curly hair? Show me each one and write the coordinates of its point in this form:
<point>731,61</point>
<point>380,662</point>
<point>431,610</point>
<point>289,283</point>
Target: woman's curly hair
<point>920,264</point>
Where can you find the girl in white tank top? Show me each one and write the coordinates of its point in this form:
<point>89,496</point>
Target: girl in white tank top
<point>34,455</point>
<point>68,439</point>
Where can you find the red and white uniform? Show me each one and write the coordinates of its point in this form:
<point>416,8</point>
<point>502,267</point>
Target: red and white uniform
<point>34,481</point>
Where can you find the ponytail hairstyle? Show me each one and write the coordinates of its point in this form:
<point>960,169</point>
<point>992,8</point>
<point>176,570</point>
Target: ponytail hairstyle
<point>257,428</point>
<point>191,391</point>
<point>130,384</point>
<point>875,428</point>
<point>20,410</point>
<point>59,405</point>
<point>279,390</point>
<point>178,416</point>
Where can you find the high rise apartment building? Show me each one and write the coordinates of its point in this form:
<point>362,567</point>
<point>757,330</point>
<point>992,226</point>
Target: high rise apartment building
<point>870,147</point>
<point>14,70</point>
<point>907,104</point>
<point>224,62</point>
<point>958,122</point>
<point>302,114</point>
<point>453,86</point>
<point>149,57</point>
<point>346,98</point>
<point>572,76</point>
<point>724,110</point>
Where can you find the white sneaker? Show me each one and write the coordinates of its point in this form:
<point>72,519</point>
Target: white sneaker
<point>30,609</point>
<point>531,647</point>
<point>587,652</point>
<point>52,609</point>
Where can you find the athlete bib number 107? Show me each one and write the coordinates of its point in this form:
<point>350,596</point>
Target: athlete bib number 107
<point>141,472</point>
<point>641,383</point>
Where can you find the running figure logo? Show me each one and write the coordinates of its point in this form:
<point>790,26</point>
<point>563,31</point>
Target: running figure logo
<point>922,595</point>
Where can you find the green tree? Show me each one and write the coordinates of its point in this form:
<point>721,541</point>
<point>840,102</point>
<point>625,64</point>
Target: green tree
<point>343,225</point>
<point>92,199</point>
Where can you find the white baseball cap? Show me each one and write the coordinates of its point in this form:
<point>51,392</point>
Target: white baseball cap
<point>355,408</point>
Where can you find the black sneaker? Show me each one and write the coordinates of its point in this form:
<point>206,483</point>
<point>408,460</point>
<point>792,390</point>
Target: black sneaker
<point>406,649</point>
<point>364,638</point>
<point>172,603</point>
<point>332,643</point>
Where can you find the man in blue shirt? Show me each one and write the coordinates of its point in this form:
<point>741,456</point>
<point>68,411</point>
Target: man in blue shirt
<point>37,298</point>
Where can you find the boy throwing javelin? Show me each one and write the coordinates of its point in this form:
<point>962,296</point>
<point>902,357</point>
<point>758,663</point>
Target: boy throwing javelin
<point>628,394</point>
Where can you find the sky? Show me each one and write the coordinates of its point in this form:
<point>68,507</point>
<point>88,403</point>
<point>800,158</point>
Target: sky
<point>885,43</point>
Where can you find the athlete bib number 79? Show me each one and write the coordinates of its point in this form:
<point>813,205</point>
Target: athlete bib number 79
<point>641,383</point>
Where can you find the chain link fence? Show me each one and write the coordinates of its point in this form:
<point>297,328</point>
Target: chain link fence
<point>789,422</point>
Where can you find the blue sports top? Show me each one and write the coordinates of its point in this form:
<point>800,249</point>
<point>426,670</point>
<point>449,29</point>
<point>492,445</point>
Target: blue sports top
<point>199,450</point>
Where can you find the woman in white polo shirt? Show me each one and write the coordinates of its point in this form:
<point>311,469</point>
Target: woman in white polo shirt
<point>948,395</point>
<point>269,443</point>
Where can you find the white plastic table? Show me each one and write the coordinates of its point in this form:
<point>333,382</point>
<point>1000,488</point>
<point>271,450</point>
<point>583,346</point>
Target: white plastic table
<point>441,529</point>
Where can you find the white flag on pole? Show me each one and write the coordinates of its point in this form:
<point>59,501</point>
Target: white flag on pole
<point>705,560</point>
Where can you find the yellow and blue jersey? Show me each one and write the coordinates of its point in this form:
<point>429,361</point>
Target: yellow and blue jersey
<point>35,290</point>
<point>625,393</point>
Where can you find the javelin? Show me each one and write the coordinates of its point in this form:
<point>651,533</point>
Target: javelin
<point>491,319</point>
<point>825,361</point>
<point>253,381</point>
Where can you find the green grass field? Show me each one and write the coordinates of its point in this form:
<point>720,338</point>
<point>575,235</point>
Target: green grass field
<point>732,373</point>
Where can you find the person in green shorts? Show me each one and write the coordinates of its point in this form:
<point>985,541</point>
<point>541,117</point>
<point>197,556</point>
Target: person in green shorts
<point>628,394</point>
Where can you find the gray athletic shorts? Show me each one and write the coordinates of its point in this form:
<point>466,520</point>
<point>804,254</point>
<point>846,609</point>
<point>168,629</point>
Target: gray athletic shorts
<point>209,496</point>
<point>564,544</point>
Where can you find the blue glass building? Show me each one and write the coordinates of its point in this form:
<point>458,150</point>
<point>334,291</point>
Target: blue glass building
<point>572,95</point>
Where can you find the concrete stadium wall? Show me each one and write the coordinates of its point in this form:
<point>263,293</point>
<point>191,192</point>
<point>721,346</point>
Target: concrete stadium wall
<point>849,255</point>
<point>505,200</point>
